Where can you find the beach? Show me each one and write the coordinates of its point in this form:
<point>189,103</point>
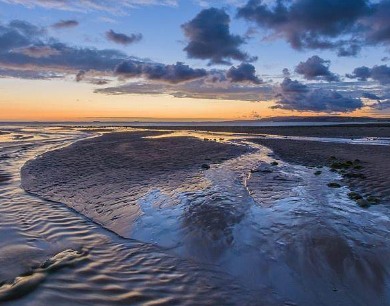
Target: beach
<point>187,217</point>
<point>53,254</point>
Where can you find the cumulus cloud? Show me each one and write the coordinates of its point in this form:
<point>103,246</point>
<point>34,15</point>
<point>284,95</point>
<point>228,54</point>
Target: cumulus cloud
<point>344,26</point>
<point>64,24</point>
<point>316,68</point>
<point>210,38</point>
<point>295,96</point>
<point>360,73</point>
<point>244,73</point>
<point>174,74</point>
<point>24,47</point>
<point>379,73</point>
<point>123,39</point>
<point>286,72</point>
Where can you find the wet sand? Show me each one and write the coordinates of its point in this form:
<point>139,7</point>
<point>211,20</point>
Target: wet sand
<point>117,169</point>
<point>270,224</point>
<point>347,131</point>
<point>52,255</point>
<point>371,176</point>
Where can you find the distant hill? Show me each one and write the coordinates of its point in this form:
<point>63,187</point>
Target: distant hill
<point>313,119</point>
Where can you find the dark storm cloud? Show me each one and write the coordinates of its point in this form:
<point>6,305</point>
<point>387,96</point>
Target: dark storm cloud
<point>378,23</point>
<point>316,68</point>
<point>174,74</point>
<point>210,38</point>
<point>123,39</point>
<point>244,73</point>
<point>344,26</point>
<point>360,73</point>
<point>295,96</point>
<point>64,24</point>
<point>380,74</point>
<point>309,24</point>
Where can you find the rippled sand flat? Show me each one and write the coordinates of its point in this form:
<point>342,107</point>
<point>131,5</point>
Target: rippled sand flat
<point>136,218</point>
<point>52,255</point>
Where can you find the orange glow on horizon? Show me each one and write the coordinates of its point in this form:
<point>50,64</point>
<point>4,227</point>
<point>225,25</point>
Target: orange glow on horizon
<point>55,100</point>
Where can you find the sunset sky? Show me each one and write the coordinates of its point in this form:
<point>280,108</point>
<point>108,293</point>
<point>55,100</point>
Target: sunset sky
<point>193,59</point>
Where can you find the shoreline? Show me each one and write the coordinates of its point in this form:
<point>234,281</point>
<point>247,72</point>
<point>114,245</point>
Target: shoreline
<point>335,131</point>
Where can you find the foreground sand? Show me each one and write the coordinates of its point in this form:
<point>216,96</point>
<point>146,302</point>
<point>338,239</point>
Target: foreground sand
<point>51,255</point>
<point>272,225</point>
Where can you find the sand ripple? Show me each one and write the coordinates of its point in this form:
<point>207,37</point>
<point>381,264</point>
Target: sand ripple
<point>274,228</point>
<point>53,255</point>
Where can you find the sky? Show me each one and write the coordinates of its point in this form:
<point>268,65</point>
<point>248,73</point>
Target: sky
<point>69,60</point>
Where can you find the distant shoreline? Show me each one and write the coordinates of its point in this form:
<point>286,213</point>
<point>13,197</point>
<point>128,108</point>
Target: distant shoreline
<point>334,131</point>
<point>220,124</point>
